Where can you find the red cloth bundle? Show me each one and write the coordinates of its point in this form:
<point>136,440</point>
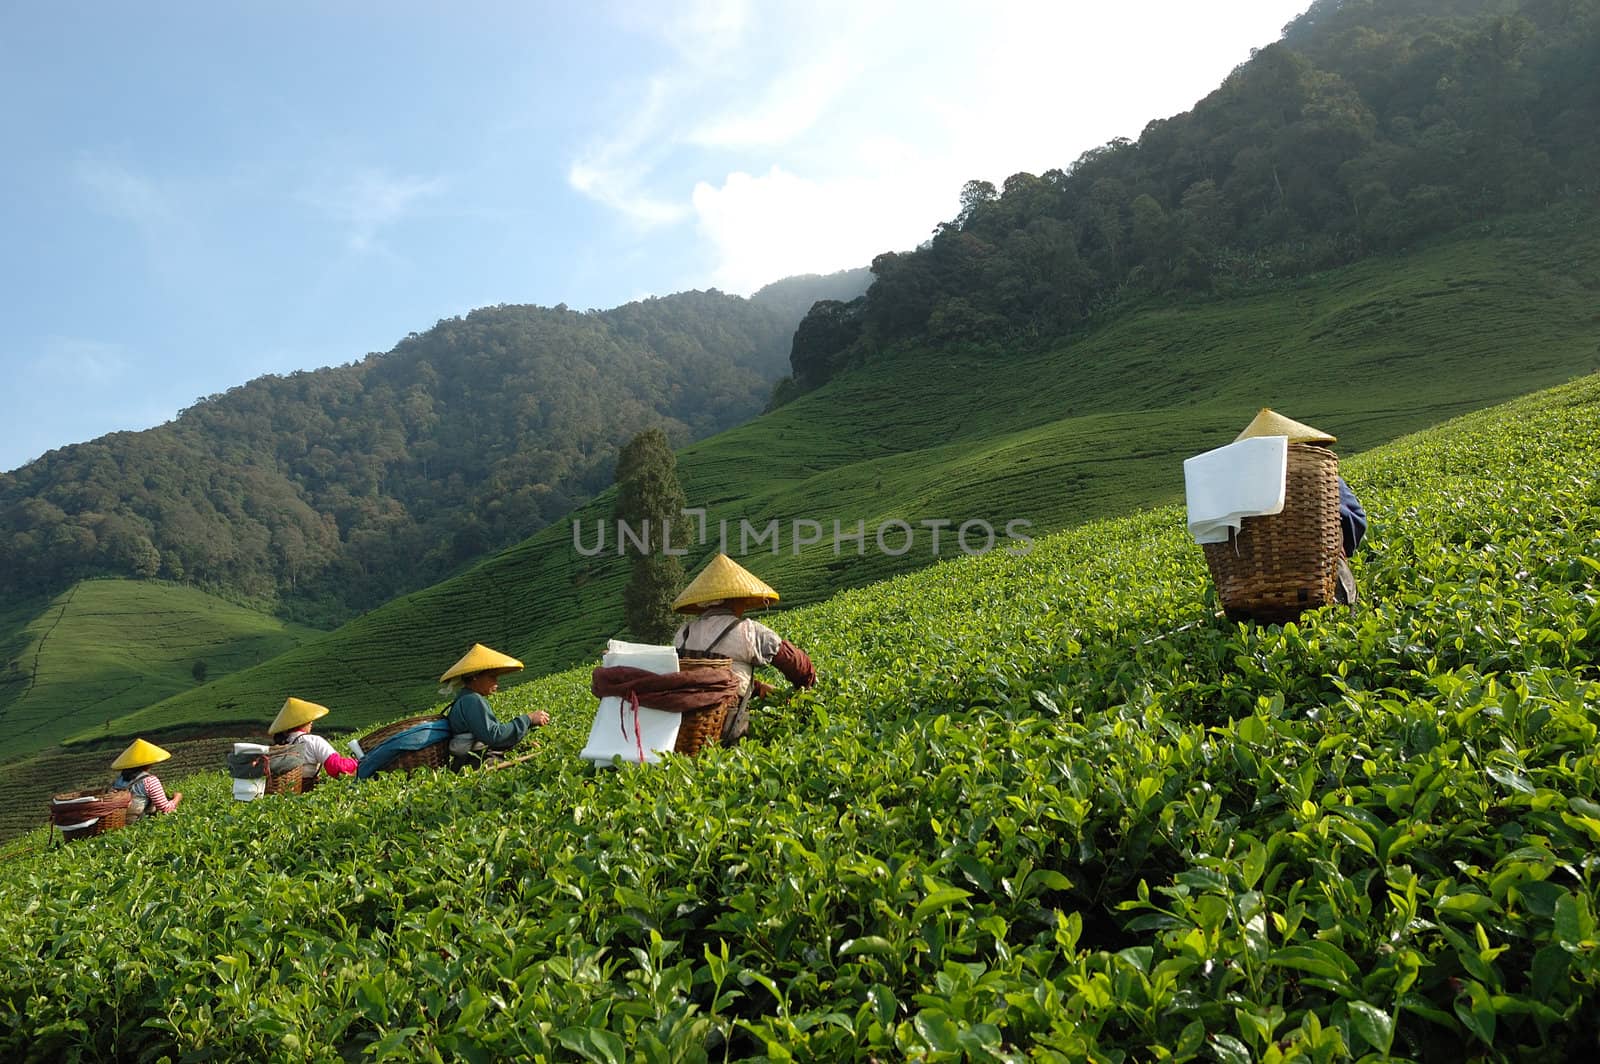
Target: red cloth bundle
<point>675,692</point>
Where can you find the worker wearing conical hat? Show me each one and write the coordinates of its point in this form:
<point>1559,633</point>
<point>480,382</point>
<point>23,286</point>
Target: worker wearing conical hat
<point>134,776</point>
<point>474,729</point>
<point>292,726</point>
<point>1352,516</point>
<point>718,599</point>
<point>1271,423</point>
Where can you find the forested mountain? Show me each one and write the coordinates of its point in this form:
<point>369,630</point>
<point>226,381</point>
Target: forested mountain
<point>339,488</point>
<point>1370,125</point>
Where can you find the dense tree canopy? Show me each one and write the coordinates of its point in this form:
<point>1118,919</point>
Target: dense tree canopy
<point>1370,125</point>
<point>338,488</point>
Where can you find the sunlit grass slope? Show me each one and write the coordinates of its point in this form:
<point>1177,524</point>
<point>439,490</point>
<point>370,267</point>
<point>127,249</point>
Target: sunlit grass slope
<point>105,647</point>
<point>97,651</point>
<point>1045,806</point>
<point>1057,437</point>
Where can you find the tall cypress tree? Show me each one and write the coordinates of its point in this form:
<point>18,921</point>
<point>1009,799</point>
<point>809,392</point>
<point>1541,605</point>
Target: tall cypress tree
<point>650,497</point>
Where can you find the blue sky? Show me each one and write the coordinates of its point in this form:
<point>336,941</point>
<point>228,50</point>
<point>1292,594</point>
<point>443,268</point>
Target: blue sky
<point>198,193</point>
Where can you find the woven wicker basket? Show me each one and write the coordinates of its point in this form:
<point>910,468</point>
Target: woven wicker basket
<point>1276,567</point>
<point>430,756</point>
<point>66,813</point>
<point>702,727</point>
<point>99,827</point>
<point>295,782</point>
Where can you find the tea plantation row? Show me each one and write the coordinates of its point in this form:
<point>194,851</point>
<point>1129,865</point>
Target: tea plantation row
<point>1038,807</point>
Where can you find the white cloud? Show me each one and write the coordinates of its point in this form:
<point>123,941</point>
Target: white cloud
<point>614,170</point>
<point>121,193</point>
<point>811,138</point>
<point>72,364</point>
<point>699,31</point>
<point>370,201</point>
<point>778,224</point>
<point>790,106</point>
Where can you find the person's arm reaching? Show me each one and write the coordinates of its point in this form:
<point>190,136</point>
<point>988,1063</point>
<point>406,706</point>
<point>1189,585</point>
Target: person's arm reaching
<point>496,734</point>
<point>156,795</point>
<point>794,664</point>
<point>772,649</point>
<point>337,764</point>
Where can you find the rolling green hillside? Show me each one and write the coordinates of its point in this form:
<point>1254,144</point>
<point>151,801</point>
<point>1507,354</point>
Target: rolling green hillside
<point>1057,436</point>
<point>98,651</point>
<point>1040,807</point>
<point>106,647</point>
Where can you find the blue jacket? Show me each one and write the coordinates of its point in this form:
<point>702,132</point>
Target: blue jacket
<point>470,713</point>
<point>1352,518</point>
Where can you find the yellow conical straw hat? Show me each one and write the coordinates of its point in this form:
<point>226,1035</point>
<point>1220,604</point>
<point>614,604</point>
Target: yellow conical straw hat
<point>723,580</point>
<point>480,659</point>
<point>295,712</point>
<point>1271,423</point>
<point>139,754</point>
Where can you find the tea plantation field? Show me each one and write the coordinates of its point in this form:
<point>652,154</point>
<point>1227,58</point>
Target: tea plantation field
<point>1037,807</point>
<point>1059,434</point>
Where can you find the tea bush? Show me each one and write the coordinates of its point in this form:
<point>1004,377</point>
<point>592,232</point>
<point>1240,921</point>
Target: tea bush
<point>1038,807</point>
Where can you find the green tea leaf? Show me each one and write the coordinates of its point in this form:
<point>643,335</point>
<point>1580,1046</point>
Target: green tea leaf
<point>1322,959</point>
<point>1476,1012</point>
<point>1229,1050</point>
<point>1372,1024</point>
<point>938,1031</point>
<point>937,901</point>
<point>868,944</point>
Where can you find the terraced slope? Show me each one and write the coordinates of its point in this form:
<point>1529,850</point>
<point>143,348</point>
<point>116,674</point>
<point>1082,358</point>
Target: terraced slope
<point>105,647</point>
<point>97,651</point>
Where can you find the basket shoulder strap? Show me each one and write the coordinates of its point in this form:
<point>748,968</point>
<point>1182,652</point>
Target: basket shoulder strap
<point>137,803</point>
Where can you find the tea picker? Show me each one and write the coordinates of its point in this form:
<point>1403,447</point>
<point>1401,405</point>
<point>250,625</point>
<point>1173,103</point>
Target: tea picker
<point>717,600</point>
<point>475,731</point>
<point>1275,519</point>
<point>145,793</point>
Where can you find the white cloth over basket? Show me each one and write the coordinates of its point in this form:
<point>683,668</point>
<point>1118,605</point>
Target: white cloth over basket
<point>1224,486</point>
<point>617,730</point>
<point>249,790</point>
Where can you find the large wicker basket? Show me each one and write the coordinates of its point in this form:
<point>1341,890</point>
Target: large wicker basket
<point>1276,567</point>
<point>702,727</point>
<point>85,814</point>
<point>296,782</point>
<point>431,756</point>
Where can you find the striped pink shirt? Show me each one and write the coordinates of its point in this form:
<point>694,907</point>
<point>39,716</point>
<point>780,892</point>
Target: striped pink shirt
<point>155,794</point>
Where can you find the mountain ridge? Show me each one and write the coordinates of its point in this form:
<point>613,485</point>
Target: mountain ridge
<point>313,488</point>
